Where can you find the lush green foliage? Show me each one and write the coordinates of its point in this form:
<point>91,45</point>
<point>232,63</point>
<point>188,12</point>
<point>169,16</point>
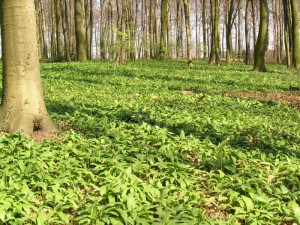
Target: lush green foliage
<point>141,152</point>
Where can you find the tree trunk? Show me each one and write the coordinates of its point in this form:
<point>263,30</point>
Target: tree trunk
<point>72,29</point>
<point>247,33</point>
<point>53,30</point>
<point>64,17</point>
<point>163,32</point>
<point>216,31</point>
<point>295,33</point>
<point>80,35</point>
<point>253,9</point>
<point>88,28</point>
<point>23,108</point>
<point>179,38</point>
<point>287,42</point>
<point>262,39</point>
<point>229,24</point>
<point>204,28</point>
<point>212,53</point>
<point>102,30</point>
<point>59,31</point>
<point>186,4</point>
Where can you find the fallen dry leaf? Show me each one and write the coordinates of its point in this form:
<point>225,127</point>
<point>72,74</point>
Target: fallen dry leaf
<point>187,92</point>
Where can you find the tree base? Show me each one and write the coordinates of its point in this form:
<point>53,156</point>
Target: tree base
<point>27,124</point>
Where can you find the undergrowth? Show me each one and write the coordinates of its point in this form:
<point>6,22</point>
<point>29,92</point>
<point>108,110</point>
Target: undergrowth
<point>136,150</point>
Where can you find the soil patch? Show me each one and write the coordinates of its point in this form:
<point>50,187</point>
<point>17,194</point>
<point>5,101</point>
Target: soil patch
<point>290,98</point>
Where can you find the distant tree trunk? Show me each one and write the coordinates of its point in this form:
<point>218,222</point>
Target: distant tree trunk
<point>53,31</point>
<point>204,28</point>
<point>287,25</point>
<point>239,9</point>
<point>216,31</point>
<point>197,38</point>
<point>111,41</point>
<point>80,35</point>
<point>186,4</point>
<point>169,33</point>
<point>59,31</point>
<point>151,28</point>
<point>247,33</point>
<point>42,28</point>
<point>102,31</point>
<point>295,34</point>
<point>179,39</point>
<point>212,56</point>
<point>254,22</point>
<point>23,108</point>
<point>163,32</point>
<point>229,23</point>
<point>64,13</point>
<point>119,42</point>
<point>262,40</point>
<point>72,29</point>
<point>88,28</point>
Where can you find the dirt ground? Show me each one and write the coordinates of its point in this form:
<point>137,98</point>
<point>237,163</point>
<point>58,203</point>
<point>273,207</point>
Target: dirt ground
<point>290,98</point>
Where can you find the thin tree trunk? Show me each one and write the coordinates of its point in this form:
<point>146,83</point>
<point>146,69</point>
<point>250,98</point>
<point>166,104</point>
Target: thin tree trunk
<point>204,29</point>
<point>247,33</point>
<point>217,33</point>
<point>64,13</point>
<point>53,31</point>
<point>186,4</point>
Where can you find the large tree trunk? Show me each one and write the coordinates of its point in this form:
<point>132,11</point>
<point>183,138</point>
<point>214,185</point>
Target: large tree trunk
<point>262,39</point>
<point>80,34</point>
<point>23,107</point>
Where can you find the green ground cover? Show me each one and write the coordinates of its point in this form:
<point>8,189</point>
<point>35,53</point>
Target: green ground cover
<point>142,152</point>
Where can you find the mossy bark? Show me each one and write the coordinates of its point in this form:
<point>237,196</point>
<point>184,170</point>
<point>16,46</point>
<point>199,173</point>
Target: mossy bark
<point>262,39</point>
<point>23,108</point>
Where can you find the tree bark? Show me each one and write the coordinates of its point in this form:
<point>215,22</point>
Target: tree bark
<point>23,108</point>
<point>80,34</point>
<point>262,39</point>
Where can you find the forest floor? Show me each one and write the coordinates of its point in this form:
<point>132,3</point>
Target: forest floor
<point>155,142</point>
<point>291,98</point>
